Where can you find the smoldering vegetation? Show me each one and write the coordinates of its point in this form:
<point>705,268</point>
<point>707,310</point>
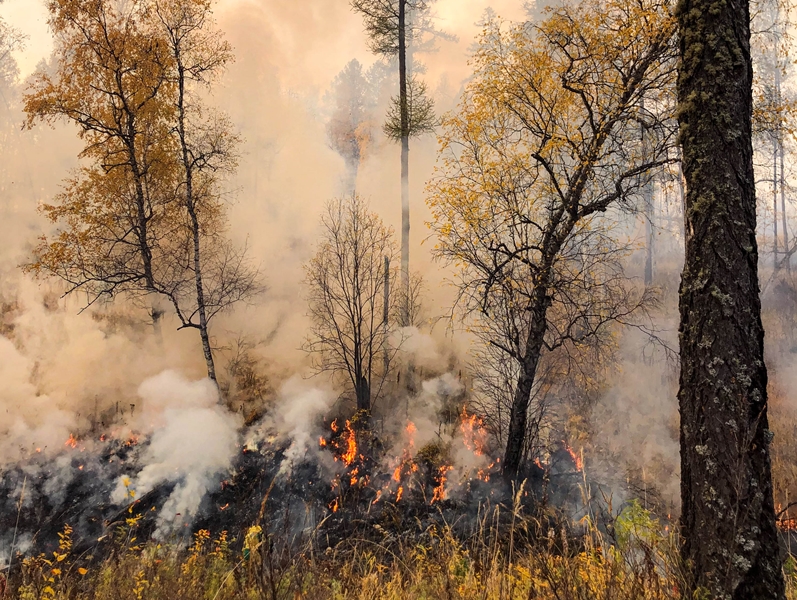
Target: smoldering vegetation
<point>299,454</point>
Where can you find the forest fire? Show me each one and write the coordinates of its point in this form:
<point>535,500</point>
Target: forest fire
<point>425,473</point>
<point>71,441</point>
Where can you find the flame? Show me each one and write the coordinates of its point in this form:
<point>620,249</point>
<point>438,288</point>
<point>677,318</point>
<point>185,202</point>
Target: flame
<point>577,459</point>
<point>440,491</point>
<point>484,474</point>
<point>399,493</point>
<point>72,441</point>
<point>473,433</point>
<point>322,442</point>
<point>351,445</point>
<point>334,505</point>
<point>786,523</point>
<point>133,440</point>
<point>354,479</point>
<point>225,507</point>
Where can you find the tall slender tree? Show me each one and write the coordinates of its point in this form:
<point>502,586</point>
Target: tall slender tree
<point>389,28</point>
<point>351,315</point>
<point>205,145</point>
<point>730,541</point>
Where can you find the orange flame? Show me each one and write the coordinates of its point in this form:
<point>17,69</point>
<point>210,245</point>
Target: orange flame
<point>72,441</point>
<point>351,445</point>
<point>785,522</point>
<point>440,491</point>
<point>399,493</point>
<point>577,460</point>
<point>473,433</point>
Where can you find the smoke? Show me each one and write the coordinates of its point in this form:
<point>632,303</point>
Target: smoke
<point>35,423</point>
<point>193,441</point>
<point>63,372</point>
<point>296,419</point>
<point>636,426</point>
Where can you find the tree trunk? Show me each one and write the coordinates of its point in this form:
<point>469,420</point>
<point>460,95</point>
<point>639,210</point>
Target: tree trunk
<point>518,415</point>
<point>191,207</point>
<point>728,523</point>
<point>363,393</point>
<point>405,168</point>
<point>649,239</point>
<point>775,202</point>
<point>386,320</point>
<point>648,216</point>
<point>781,155</point>
<point>200,298</point>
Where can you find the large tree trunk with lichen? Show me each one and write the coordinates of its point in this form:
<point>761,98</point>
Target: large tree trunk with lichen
<point>728,523</point>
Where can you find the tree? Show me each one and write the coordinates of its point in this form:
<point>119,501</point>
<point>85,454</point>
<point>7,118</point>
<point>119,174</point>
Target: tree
<point>206,147</point>
<point>11,40</point>
<point>108,82</point>
<point>730,541</point>
<point>350,311</point>
<point>389,29</point>
<point>135,218</point>
<point>348,129</point>
<point>545,143</point>
<point>774,110</point>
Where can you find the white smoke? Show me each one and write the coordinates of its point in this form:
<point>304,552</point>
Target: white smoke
<point>295,418</point>
<point>31,421</point>
<point>193,442</point>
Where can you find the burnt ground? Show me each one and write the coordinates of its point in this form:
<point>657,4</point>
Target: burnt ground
<point>76,487</point>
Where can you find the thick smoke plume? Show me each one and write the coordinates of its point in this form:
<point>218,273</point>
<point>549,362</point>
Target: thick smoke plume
<point>192,443</point>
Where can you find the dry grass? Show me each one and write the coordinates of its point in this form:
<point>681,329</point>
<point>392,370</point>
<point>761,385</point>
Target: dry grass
<point>638,561</point>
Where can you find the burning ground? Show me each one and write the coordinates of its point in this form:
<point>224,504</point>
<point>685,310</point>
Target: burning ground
<point>179,462</point>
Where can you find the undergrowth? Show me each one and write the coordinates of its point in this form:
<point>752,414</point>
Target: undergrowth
<point>634,558</point>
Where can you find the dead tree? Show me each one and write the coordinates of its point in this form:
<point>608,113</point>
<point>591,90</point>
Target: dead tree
<point>349,336</point>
